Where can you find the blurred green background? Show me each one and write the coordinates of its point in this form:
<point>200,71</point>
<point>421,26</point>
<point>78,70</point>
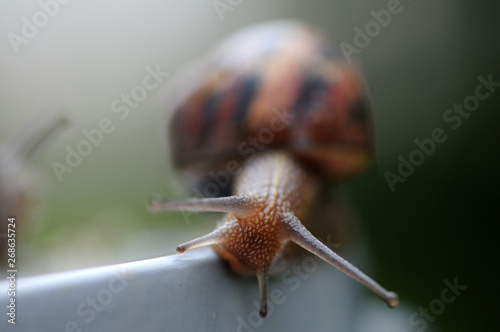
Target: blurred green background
<point>441,223</point>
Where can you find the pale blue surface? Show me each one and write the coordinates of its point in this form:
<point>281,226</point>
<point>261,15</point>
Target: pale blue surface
<point>195,292</point>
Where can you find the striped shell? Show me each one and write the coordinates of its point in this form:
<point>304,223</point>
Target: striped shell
<point>274,86</point>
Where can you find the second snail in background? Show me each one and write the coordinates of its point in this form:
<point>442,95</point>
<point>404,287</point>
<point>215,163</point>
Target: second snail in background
<point>279,111</point>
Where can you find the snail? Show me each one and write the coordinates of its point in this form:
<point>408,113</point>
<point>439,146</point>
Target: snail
<point>16,182</point>
<point>280,112</point>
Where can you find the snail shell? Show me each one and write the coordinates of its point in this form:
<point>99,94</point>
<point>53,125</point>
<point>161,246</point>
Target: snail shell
<point>283,84</point>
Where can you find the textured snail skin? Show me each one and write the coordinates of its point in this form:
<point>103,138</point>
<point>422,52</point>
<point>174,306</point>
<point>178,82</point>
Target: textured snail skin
<point>282,70</point>
<point>276,186</point>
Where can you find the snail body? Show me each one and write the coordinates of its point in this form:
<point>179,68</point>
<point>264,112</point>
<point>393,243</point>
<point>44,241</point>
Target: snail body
<point>274,72</point>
